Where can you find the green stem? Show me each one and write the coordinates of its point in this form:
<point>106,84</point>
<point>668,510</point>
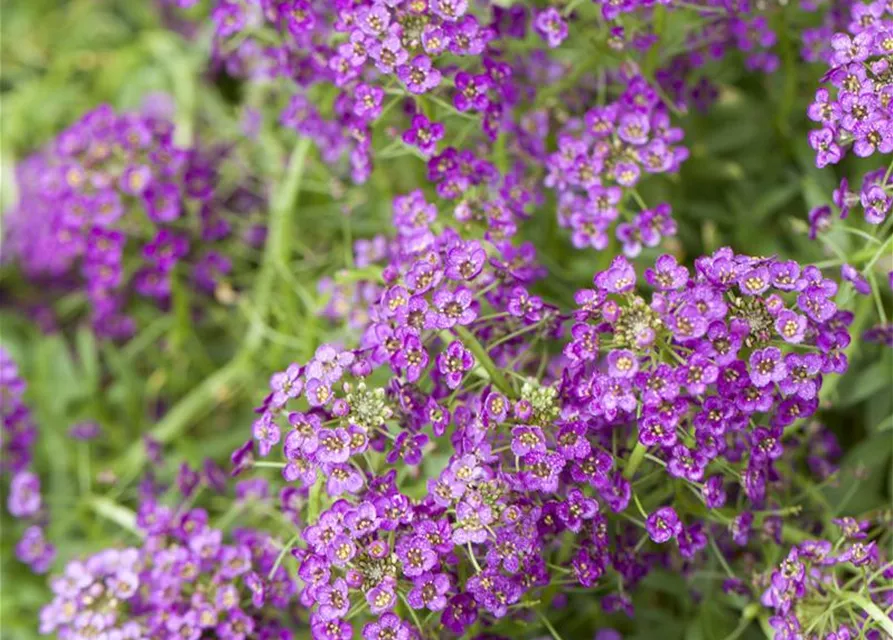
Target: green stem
<point>269,464</point>
<point>483,358</point>
<point>874,612</point>
<point>635,459</point>
<point>281,556</point>
<point>549,626</point>
<point>114,512</point>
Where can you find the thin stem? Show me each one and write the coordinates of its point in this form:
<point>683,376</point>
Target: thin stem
<point>874,612</point>
<point>635,459</point>
<point>720,556</point>
<point>483,358</point>
<point>269,464</point>
<point>281,556</point>
<point>472,558</point>
<point>548,625</point>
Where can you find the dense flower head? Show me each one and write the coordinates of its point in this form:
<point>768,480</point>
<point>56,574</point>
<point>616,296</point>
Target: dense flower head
<point>706,376</point>
<point>447,65</point>
<point>852,110</point>
<point>185,579</point>
<point>601,158</point>
<point>116,203</point>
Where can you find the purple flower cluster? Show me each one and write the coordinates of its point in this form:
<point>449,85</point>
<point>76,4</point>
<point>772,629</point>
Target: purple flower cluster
<point>114,200</point>
<point>599,161</point>
<point>353,48</point>
<point>854,109</point>
<point>798,589</point>
<point>745,344</point>
<point>455,67</point>
<point>702,381</point>
<point>185,580</point>
<point>23,498</point>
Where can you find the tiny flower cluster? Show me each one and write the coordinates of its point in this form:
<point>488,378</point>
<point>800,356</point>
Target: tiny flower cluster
<point>185,580</point>
<point>114,200</point>
<point>854,110</point>
<point>599,162</point>
<point>24,499</point>
<point>731,356</point>
<point>455,68</point>
<point>702,381</point>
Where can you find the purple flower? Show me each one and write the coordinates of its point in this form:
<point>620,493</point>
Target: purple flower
<point>551,26</point>
<point>388,627</point>
<point>411,357</point>
<point>317,392</point>
<point>34,550</point>
<point>634,128</point>
<point>407,447</point>
<point>876,203</point>
<point>667,274</point>
<point>382,597</point>
<point>824,142</point>
<point>663,525</point>
<point>819,220</point>
<point>526,439</point>
<point>461,612</point>
<point>576,509</point>
<point>767,366</point>
<point>374,20</point>
<point>419,75</point>
<point>367,101</point>
<point>653,431</point>
<point>429,591</point>
<point>328,364</point>
<point>823,109</point>
<point>266,432</point>
<point>334,445</point>
<point>619,278</point>
<point>286,385</point>
<point>452,308</point>
<point>802,375</point>
<point>523,305</point>
<point>471,91</point>
<point>424,134</point>
<point>454,362</point>
<point>846,49</point>
<point>24,495</point>
<point>791,326</point>
<point>449,10</point>
<point>714,492</point>
<point>622,363</point>
<point>871,136</point>
<point>852,275</point>
<point>334,629</point>
<point>163,202</point>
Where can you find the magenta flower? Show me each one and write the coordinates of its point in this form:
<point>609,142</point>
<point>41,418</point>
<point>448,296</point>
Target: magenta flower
<point>663,525</point>
<point>767,366</point>
<point>454,362</point>
<point>419,75</point>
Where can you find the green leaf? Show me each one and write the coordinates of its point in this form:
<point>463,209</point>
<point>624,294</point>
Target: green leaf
<point>88,356</point>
